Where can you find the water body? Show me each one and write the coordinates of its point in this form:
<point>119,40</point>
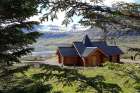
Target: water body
<point>43,53</point>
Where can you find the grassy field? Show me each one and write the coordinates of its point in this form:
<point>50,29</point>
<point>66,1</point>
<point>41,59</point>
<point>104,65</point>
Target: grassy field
<point>111,78</point>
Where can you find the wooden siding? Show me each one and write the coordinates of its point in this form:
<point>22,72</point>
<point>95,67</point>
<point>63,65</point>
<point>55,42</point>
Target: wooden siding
<point>116,58</point>
<point>71,61</point>
<point>96,58</point>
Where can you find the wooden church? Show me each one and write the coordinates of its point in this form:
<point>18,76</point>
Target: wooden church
<point>88,53</point>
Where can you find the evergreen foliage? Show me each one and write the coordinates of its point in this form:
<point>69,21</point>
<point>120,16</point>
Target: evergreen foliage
<point>119,16</point>
<point>92,12</point>
<point>111,78</point>
<point>14,15</point>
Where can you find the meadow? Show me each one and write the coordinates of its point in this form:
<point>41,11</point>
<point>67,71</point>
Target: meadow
<point>111,78</point>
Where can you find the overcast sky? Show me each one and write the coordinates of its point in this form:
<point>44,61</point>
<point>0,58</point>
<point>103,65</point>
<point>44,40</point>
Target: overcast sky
<point>76,19</point>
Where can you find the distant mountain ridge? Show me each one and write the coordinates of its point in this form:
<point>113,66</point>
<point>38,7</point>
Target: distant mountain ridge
<point>55,28</point>
<point>51,31</point>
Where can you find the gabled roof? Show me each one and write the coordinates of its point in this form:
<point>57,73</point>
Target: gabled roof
<point>108,50</point>
<point>115,50</point>
<point>88,50</point>
<point>111,50</point>
<point>67,51</point>
<point>85,47</point>
<point>79,47</point>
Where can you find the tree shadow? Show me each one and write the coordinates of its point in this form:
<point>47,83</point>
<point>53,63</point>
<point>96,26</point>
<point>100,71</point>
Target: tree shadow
<point>132,72</point>
<point>31,88</point>
<point>65,76</point>
<point>68,76</point>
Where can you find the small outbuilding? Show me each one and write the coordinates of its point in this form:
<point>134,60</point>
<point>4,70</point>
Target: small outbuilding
<point>88,53</point>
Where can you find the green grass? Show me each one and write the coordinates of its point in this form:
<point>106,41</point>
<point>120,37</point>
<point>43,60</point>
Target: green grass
<point>113,77</point>
<point>123,78</point>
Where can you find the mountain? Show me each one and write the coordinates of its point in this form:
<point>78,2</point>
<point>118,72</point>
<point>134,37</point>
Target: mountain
<point>55,28</point>
<point>50,31</point>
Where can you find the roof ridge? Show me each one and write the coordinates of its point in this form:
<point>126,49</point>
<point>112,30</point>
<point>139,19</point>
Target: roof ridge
<point>92,47</point>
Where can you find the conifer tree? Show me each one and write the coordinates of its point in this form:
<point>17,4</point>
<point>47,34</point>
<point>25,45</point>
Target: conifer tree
<point>14,15</point>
